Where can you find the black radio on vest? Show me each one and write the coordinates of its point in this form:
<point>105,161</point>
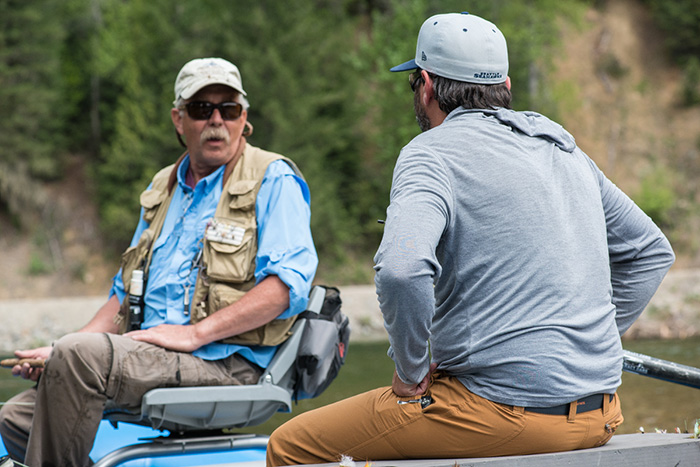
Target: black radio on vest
<point>136,300</point>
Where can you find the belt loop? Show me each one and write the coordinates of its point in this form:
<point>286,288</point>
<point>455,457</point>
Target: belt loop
<point>606,403</point>
<point>572,412</point>
<point>517,409</point>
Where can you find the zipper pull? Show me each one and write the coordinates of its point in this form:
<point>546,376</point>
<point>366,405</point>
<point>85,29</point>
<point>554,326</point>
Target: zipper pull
<point>412,401</point>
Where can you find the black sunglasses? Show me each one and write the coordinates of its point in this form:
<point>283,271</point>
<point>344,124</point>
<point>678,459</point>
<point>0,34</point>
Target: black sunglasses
<point>202,110</point>
<point>415,79</point>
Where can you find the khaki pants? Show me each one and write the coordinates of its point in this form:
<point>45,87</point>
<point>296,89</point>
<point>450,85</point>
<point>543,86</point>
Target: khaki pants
<point>83,371</point>
<point>458,424</point>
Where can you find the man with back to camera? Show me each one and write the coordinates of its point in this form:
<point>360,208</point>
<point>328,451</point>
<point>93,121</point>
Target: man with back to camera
<point>225,251</point>
<point>509,268</point>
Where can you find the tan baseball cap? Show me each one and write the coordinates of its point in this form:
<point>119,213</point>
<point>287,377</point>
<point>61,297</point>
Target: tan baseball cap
<point>202,72</point>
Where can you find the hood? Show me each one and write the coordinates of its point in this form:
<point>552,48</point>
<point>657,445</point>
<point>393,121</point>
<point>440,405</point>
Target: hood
<point>535,125</point>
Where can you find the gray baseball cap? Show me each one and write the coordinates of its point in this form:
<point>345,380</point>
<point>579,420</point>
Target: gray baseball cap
<point>461,47</point>
<point>202,72</point>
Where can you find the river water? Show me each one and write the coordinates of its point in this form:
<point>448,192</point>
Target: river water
<point>651,403</point>
<point>646,402</point>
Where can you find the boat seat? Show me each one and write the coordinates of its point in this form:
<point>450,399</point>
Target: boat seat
<point>201,410</point>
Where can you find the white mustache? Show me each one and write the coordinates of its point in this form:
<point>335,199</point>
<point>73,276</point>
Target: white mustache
<point>214,133</point>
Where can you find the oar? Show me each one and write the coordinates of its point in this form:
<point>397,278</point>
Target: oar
<point>661,369</point>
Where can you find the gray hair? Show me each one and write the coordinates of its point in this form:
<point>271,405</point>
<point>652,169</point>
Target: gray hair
<point>451,94</point>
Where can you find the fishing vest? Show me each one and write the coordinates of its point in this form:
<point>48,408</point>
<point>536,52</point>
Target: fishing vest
<point>229,247</point>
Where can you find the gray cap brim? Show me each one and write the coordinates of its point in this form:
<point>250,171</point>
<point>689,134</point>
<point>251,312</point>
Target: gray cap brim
<point>406,66</point>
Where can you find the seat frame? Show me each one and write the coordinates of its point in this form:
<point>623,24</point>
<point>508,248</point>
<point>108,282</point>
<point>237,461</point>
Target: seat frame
<point>193,414</point>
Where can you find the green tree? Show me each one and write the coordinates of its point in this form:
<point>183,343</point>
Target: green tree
<point>30,101</point>
<point>136,76</point>
<point>80,89</point>
<point>303,105</point>
<point>690,89</point>
<point>680,20</point>
<point>389,38</point>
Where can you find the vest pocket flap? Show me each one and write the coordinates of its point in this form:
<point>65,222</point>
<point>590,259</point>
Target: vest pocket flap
<point>242,194</point>
<point>134,257</point>
<point>227,248</point>
<point>151,198</point>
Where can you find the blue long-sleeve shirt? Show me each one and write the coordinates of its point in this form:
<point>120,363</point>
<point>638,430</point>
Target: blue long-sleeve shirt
<point>285,249</point>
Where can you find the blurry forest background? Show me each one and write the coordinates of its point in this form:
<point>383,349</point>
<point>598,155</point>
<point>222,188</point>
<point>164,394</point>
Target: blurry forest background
<point>86,87</point>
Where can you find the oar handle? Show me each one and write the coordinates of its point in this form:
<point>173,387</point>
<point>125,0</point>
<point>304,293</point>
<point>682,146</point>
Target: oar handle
<point>661,369</point>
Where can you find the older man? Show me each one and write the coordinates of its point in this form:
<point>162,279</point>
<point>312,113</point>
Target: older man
<point>221,262</point>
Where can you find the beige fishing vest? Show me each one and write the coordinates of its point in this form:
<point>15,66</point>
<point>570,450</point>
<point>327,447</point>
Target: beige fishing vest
<point>229,246</point>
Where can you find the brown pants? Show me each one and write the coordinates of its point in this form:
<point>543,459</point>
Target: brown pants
<point>83,371</point>
<point>459,424</point>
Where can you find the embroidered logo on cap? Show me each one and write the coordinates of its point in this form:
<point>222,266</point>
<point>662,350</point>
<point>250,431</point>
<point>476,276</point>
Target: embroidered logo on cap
<point>485,75</point>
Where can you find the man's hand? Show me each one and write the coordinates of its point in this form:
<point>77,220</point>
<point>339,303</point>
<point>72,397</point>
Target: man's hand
<point>407,390</point>
<point>258,306</point>
<point>25,370</point>
<point>177,337</point>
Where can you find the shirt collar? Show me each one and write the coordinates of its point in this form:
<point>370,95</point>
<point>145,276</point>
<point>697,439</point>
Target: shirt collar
<point>209,181</point>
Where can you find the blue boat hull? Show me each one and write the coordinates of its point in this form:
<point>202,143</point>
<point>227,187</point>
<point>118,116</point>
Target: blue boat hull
<point>110,439</point>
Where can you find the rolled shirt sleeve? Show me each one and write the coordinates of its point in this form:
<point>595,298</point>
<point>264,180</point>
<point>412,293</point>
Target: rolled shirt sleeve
<point>285,243</point>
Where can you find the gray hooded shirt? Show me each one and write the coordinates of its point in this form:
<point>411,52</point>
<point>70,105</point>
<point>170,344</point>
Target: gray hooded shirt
<point>511,260</point>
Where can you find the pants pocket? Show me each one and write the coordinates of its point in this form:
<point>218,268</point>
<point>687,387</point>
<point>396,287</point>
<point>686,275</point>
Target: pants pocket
<point>609,429</point>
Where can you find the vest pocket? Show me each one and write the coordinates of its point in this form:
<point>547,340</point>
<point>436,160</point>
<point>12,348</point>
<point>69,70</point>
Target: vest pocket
<point>222,295</point>
<point>229,251</point>
<point>273,333</point>
<point>243,195</point>
<point>133,258</point>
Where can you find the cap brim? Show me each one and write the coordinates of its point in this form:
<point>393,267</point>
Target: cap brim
<point>409,65</point>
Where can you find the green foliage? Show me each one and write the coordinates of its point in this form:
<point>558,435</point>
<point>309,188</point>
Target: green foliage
<point>29,72</point>
<point>80,82</point>
<point>657,197</point>
<point>680,20</point>
<point>690,90</point>
<point>303,106</point>
<point>388,122</point>
<point>610,65</point>
<point>37,265</point>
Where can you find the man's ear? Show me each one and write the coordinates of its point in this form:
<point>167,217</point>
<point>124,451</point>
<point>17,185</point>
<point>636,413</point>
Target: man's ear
<point>428,93</point>
<point>176,117</point>
<point>508,82</point>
